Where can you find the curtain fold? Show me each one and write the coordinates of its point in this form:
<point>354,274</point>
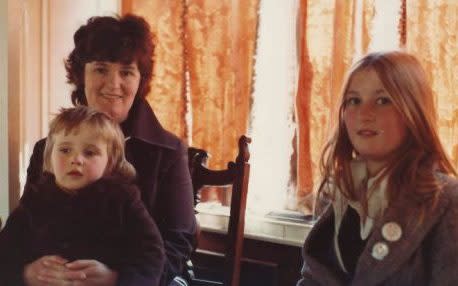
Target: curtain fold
<point>212,43</point>
<point>220,46</point>
<point>432,27</point>
<point>303,101</point>
<point>167,96</point>
<point>326,37</point>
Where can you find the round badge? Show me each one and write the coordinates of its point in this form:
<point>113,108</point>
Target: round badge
<point>391,231</point>
<point>380,250</point>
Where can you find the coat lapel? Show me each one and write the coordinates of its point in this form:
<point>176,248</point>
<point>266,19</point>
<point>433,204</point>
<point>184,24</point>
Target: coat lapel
<point>370,271</point>
<point>320,272</point>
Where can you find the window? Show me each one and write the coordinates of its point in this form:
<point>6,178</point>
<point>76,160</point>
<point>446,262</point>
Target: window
<point>273,70</point>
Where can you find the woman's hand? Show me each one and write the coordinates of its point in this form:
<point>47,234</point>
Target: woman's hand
<point>96,273</point>
<point>50,270</point>
<point>56,271</point>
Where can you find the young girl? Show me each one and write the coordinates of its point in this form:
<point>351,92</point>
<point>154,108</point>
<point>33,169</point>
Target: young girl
<point>394,197</point>
<point>84,207</point>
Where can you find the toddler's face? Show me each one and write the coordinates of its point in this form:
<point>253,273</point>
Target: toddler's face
<point>375,127</point>
<point>78,158</point>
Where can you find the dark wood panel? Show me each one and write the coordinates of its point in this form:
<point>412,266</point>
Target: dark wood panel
<point>263,263</point>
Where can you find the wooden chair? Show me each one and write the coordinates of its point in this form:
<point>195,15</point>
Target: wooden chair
<point>237,175</point>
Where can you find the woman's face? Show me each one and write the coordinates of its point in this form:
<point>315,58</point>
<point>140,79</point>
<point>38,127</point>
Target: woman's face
<point>374,125</point>
<point>110,87</point>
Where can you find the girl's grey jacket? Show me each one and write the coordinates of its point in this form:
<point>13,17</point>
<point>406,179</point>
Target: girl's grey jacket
<point>425,254</point>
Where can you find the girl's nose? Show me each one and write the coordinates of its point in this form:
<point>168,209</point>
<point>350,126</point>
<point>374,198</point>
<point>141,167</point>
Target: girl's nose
<point>366,112</point>
<point>77,160</point>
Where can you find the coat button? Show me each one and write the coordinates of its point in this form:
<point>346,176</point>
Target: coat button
<point>380,250</point>
<point>391,231</point>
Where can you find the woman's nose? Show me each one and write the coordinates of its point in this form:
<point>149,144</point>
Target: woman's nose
<point>114,79</point>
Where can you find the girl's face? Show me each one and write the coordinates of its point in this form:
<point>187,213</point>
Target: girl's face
<point>374,126</point>
<point>110,87</point>
<point>78,158</point>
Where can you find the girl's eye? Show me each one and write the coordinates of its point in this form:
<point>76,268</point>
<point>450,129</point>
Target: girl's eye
<point>90,153</point>
<point>64,150</point>
<point>352,101</point>
<point>383,100</point>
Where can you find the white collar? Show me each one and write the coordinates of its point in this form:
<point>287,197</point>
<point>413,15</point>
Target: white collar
<point>376,204</point>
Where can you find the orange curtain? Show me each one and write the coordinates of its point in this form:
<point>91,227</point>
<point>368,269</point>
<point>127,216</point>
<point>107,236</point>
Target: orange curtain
<point>210,43</point>
<point>431,33</point>
<point>167,96</point>
<point>220,47</point>
<point>326,51</point>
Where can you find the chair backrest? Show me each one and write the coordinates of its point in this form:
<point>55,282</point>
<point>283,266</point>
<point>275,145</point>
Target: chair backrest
<point>237,175</point>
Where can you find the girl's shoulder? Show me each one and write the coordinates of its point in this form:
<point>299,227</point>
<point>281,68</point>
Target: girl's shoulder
<point>449,191</point>
<point>449,184</point>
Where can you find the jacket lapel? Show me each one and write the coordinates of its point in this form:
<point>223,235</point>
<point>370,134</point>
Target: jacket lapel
<point>370,271</point>
<point>320,273</point>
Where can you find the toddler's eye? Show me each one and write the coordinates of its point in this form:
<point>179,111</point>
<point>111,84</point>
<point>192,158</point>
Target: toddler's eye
<point>64,150</point>
<point>91,153</point>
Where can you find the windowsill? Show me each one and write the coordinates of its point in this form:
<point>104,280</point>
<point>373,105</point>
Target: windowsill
<point>215,218</point>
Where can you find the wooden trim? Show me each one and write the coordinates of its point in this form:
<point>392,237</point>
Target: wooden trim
<point>126,6</point>
<point>4,138</point>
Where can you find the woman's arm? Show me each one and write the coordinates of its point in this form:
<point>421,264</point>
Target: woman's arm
<point>306,277</point>
<point>176,215</point>
<point>35,168</point>
<point>142,260</point>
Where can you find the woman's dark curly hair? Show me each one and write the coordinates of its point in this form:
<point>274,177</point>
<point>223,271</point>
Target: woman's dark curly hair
<point>123,39</point>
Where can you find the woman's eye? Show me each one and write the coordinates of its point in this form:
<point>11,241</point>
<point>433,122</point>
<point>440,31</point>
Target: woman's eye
<point>383,100</point>
<point>126,73</point>
<point>100,70</point>
<point>353,101</point>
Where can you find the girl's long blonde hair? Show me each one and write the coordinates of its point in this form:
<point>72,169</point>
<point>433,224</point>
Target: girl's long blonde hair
<point>411,173</point>
<point>70,119</point>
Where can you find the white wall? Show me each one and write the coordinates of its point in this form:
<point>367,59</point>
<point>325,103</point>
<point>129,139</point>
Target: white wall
<point>61,19</point>
<point>3,111</point>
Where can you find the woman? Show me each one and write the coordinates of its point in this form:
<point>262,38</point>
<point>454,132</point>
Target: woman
<point>111,69</point>
<point>393,189</point>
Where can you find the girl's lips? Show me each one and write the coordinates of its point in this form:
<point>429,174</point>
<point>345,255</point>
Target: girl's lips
<point>74,173</point>
<point>367,132</point>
